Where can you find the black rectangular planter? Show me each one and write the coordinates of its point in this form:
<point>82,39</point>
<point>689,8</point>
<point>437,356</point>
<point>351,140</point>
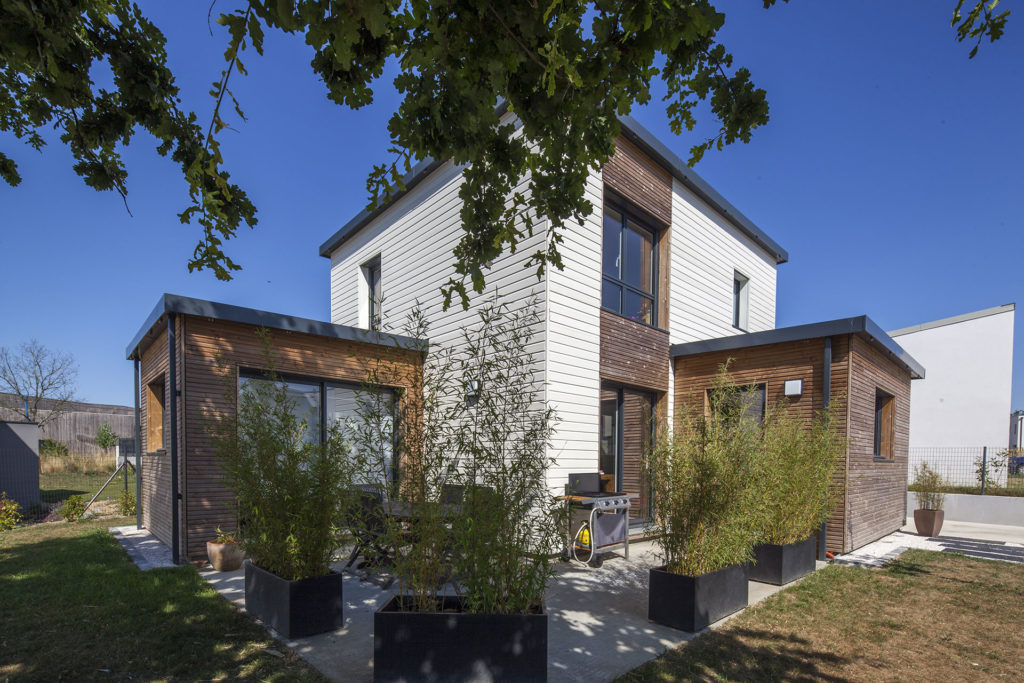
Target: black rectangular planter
<point>780,564</point>
<point>295,609</point>
<point>451,645</point>
<point>691,603</point>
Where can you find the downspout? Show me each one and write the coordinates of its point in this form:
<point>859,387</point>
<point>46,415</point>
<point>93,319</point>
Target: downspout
<point>826,399</point>
<point>172,362</point>
<point>138,447</point>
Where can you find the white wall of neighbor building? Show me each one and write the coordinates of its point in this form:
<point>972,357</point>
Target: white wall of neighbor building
<point>964,399</point>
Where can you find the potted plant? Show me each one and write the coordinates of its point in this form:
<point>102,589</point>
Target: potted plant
<point>225,552</point>
<point>288,491</point>
<point>470,585</point>
<point>795,491</point>
<point>928,485</point>
<point>703,486</point>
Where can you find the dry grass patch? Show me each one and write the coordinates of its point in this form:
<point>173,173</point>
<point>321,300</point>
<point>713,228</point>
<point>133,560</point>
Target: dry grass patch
<point>927,617</point>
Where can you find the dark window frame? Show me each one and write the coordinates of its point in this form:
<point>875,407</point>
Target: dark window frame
<point>743,389</point>
<point>740,283</point>
<point>325,383</point>
<point>372,274</point>
<point>632,216</point>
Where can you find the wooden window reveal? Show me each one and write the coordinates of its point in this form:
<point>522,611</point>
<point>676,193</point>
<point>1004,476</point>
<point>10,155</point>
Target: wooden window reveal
<point>155,416</point>
<point>885,420</point>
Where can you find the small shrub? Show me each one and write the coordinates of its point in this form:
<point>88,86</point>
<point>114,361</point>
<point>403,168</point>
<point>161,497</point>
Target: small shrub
<point>10,512</point>
<point>73,508</point>
<point>927,486</point>
<point>126,504</point>
<point>53,448</point>
<point>226,536</point>
<point>106,437</point>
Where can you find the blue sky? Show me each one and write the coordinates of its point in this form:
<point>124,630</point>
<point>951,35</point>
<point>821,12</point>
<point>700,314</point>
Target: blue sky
<point>889,171</point>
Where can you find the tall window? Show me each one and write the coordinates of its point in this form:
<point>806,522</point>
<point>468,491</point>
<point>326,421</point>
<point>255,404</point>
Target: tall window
<point>885,412</point>
<point>628,264</point>
<point>739,300</point>
<point>371,274</point>
<point>366,417</point>
<point>155,415</point>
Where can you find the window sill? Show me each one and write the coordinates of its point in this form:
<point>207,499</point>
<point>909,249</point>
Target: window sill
<point>878,458</point>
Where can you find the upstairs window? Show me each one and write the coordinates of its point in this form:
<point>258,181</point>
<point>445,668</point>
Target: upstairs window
<point>740,283</point>
<point>885,414</point>
<point>371,277</point>
<point>628,265</point>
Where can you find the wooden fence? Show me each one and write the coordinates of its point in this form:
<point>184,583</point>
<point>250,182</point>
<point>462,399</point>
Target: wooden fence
<point>77,427</point>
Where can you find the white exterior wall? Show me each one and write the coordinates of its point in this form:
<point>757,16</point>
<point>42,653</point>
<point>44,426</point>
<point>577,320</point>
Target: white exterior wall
<point>706,250</point>
<point>964,399</point>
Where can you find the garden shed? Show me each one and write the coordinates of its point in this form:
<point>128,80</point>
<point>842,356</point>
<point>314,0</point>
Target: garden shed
<point>851,361</point>
<point>187,354</point>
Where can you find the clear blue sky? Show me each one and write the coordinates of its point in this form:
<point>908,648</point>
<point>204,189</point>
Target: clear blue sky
<point>891,172</point>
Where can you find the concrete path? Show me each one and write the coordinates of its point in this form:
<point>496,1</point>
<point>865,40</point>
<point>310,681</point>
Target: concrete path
<point>597,624</point>
<point>143,547</point>
<point>988,541</point>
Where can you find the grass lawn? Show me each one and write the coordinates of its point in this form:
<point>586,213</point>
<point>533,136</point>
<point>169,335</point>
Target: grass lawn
<point>75,608</point>
<point>56,486</point>
<point>928,617</point>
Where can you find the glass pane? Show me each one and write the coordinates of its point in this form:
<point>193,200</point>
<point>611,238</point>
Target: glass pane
<point>638,307</point>
<point>637,269</point>
<point>612,232</point>
<point>611,296</point>
<point>305,400</point>
<point>366,420</point>
<point>609,435</point>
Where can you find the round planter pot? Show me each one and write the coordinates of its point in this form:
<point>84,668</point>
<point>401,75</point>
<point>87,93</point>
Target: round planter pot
<point>928,522</point>
<point>452,645</point>
<point>225,557</point>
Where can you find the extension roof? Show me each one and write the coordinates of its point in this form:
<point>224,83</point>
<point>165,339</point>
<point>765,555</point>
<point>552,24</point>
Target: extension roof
<point>860,325</point>
<point>173,303</point>
<point>632,131</point>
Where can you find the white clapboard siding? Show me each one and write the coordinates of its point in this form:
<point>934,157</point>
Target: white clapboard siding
<point>706,250</point>
<point>574,343</point>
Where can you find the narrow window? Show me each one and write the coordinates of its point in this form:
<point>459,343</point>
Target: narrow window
<point>155,415</point>
<point>739,300</point>
<point>885,411</point>
<point>371,276</point>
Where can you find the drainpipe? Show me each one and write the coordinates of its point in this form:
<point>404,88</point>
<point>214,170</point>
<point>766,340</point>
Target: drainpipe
<point>172,363</point>
<point>826,396</point>
<point>138,448</point>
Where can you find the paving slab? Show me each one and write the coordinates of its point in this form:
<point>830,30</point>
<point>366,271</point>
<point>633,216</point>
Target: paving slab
<point>597,620</point>
<point>988,541</point>
<point>144,549</point>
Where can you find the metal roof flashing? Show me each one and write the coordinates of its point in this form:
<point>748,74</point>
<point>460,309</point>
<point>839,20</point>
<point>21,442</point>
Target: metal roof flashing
<point>183,305</point>
<point>861,325</point>
<point>635,133</point>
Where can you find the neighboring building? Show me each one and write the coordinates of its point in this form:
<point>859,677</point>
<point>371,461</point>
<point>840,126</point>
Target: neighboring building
<point>965,400</point>
<point>663,261</point>
<point>1017,430</point>
<point>325,365</point>
<point>77,424</point>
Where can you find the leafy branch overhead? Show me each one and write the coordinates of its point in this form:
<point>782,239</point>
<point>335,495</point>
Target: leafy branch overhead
<point>565,70</point>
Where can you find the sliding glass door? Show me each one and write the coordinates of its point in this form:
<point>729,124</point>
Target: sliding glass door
<point>626,435</point>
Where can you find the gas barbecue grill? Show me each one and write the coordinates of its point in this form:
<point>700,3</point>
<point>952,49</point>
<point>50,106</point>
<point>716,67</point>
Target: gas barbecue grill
<point>598,520</point>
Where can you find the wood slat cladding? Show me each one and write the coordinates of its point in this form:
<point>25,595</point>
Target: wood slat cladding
<point>876,490</point>
<point>156,472</point>
<point>639,179</point>
<point>208,504</point>
<point>156,495</point>
<point>636,441</point>
<point>633,354</point>
<point>873,497</point>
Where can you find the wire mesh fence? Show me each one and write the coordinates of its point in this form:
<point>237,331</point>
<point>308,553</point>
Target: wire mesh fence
<point>986,470</point>
<point>40,484</point>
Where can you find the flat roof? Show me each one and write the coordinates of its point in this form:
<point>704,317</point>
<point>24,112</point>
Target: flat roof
<point>964,317</point>
<point>632,131</point>
<point>860,325</point>
<point>174,303</point>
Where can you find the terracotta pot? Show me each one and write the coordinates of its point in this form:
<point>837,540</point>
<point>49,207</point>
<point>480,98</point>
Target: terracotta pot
<point>225,557</point>
<point>928,522</point>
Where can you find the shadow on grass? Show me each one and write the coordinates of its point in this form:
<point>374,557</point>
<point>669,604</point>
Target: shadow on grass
<point>903,567</point>
<point>76,608</point>
<point>743,654</point>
